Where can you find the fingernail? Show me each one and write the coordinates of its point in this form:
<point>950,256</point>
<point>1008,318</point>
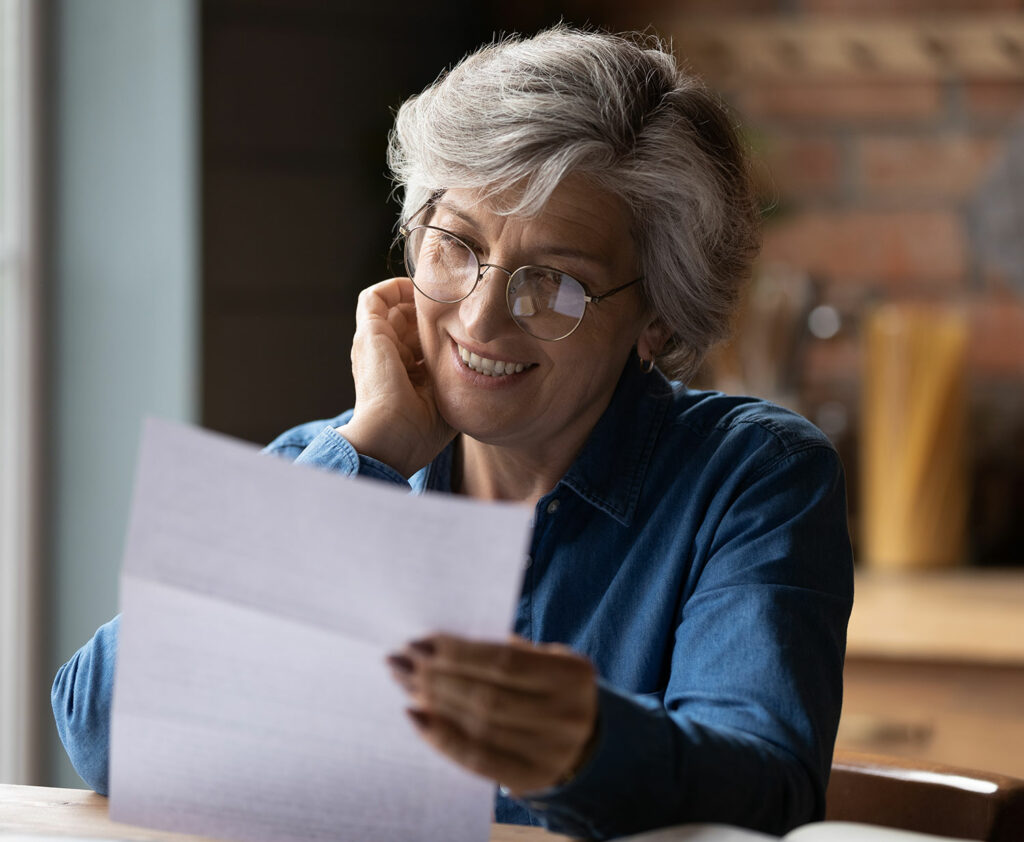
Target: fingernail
<point>401,664</point>
<point>419,718</point>
<point>424,647</point>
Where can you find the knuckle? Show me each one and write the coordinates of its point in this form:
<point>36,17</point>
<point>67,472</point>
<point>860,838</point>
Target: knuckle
<point>485,698</point>
<point>427,691</point>
<point>579,668</point>
<point>576,708</point>
<point>475,756</point>
<point>445,645</point>
<point>579,732</point>
<point>508,660</point>
<point>482,728</point>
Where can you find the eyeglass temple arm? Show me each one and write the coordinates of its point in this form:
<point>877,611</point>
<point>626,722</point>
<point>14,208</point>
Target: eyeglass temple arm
<point>594,299</point>
<point>403,228</point>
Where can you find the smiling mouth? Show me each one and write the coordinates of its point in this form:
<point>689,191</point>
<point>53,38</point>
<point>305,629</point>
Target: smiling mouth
<point>492,368</point>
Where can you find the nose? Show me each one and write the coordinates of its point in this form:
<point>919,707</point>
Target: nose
<point>484,314</point>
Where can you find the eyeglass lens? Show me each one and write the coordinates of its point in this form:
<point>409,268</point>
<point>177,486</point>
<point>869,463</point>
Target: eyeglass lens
<point>544,302</point>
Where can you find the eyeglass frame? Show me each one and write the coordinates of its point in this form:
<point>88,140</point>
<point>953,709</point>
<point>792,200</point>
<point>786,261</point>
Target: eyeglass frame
<point>405,231</point>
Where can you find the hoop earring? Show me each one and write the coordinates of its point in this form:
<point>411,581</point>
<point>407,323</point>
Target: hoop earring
<point>647,365</point>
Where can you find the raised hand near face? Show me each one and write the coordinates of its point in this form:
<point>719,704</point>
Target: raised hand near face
<point>520,713</point>
<point>395,420</point>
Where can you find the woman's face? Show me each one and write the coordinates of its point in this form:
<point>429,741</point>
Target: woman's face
<point>564,385</point>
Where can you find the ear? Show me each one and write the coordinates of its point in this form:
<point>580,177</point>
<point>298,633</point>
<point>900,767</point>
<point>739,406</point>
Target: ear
<point>652,339</point>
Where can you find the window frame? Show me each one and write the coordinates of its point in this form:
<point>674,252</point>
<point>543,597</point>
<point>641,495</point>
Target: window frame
<point>21,392</point>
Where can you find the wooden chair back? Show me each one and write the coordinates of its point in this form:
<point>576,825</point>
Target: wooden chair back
<point>926,797</point>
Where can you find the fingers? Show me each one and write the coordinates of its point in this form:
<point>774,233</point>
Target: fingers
<point>518,663</point>
<point>402,322</point>
<point>518,769</point>
<point>519,712</point>
<point>396,419</point>
<point>489,703</point>
<point>388,309</point>
<point>375,301</point>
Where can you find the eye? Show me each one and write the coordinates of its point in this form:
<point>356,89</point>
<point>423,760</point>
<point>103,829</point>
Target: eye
<point>438,241</point>
<point>545,280</point>
<point>452,227</point>
<point>447,241</point>
<point>467,240</point>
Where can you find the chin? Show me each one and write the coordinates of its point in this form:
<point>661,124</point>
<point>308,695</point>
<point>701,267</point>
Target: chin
<point>481,426</point>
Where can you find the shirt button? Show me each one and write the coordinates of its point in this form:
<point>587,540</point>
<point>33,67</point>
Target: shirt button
<point>528,561</point>
<point>553,506</point>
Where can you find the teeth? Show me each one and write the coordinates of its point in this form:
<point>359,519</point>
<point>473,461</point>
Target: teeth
<point>492,368</point>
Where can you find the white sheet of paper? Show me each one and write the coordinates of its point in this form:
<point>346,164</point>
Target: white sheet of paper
<point>259,599</point>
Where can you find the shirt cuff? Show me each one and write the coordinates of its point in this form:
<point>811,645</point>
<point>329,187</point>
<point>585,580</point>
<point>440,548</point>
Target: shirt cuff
<point>331,451</point>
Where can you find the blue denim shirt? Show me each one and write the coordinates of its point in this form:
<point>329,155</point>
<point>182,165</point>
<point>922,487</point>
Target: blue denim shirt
<point>697,551</point>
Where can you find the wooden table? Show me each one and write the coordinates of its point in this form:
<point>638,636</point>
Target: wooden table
<point>967,614</point>
<point>79,812</point>
<point>935,667</point>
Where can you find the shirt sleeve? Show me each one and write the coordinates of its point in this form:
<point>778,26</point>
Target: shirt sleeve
<point>81,697</point>
<point>332,451</point>
<point>84,687</point>
<point>745,729</point>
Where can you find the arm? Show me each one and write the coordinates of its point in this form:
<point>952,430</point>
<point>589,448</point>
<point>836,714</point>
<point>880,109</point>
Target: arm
<point>745,731</point>
<point>81,696</point>
<point>83,688</point>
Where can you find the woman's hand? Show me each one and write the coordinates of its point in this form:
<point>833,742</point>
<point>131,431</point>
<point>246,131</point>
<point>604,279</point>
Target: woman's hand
<point>395,419</point>
<point>520,713</point>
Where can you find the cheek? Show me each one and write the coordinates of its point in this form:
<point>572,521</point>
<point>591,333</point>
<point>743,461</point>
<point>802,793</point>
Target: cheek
<point>607,343</point>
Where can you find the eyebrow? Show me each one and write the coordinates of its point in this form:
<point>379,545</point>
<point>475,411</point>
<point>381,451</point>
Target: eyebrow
<point>554,250</point>
<point>461,214</point>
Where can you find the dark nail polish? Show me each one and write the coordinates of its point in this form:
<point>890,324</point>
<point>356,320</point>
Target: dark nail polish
<point>424,647</point>
<point>402,664</point>
<point>419,718</point>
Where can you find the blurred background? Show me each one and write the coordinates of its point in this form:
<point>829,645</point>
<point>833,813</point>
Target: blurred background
<point>193,193</point>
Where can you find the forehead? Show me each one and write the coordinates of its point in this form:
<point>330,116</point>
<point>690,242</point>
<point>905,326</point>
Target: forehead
<point>578,214</point>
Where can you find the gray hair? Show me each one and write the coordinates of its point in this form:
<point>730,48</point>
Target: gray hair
<point>518,116</point>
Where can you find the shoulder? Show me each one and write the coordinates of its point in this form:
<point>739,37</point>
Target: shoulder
<point>292,442</point>
<point>707,413</point>
<point>743,430</point>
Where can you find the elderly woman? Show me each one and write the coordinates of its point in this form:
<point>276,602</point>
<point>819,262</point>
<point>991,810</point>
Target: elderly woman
<point>578,221</point>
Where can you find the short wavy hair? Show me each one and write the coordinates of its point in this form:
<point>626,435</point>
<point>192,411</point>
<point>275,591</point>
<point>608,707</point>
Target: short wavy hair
<point>519,115</point>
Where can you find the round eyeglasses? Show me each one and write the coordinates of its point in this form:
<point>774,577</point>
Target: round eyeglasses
<point>544,302</point>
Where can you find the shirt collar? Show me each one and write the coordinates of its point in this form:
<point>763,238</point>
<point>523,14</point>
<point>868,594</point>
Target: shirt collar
<point>437,476</point>
<point>610,470</point>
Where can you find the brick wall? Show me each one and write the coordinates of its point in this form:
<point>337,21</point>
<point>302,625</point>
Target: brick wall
<point>867,178</point>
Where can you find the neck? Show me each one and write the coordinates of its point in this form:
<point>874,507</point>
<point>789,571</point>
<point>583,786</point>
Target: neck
<point>523,469</point>
<point>491,472</point>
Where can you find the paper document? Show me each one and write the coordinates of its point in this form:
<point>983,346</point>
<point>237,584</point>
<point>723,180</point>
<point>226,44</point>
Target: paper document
<point>259,598</point>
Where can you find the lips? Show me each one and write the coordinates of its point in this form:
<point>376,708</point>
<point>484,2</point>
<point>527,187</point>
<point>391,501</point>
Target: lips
<point>489,367</point>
